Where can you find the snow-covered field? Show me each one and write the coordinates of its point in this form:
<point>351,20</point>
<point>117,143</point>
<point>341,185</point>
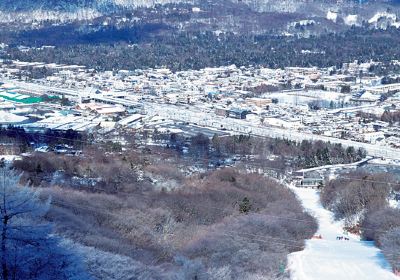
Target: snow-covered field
<point>328,258</point>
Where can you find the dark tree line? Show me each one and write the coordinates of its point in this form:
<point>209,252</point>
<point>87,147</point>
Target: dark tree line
<point>194,50</point>
<point>391,117</point>
<point>25,140</point>
<point>286,153</point>
<point>304,154</point>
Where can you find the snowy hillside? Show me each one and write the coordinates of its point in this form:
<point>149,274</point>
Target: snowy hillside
<point>72,5</point>
<point>260,5</point>
<point>328,15</point>
<point>49,9</point>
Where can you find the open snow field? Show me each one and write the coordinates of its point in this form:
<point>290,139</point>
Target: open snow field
<point>331,259</point>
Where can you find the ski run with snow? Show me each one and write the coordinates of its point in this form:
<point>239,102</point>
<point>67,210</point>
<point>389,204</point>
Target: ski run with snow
<point>332,259</point>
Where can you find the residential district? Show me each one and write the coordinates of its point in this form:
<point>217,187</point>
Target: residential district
<point>351,105</point>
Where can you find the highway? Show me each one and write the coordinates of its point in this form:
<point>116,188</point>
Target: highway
<point>209,119</point>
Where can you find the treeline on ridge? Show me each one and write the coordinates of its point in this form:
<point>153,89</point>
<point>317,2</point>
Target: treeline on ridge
<point>196,50</point>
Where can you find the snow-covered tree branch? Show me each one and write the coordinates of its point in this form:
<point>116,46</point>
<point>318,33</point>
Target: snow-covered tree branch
<point>28,248</point>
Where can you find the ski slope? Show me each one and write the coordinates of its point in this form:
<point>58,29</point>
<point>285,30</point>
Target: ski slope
<point>331,259</point>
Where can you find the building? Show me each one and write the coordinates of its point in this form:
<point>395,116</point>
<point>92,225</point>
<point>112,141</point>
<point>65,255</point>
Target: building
<point>237,113</point>
<point>308,180</point>
<point>221,112</point>
<point>259,102</point>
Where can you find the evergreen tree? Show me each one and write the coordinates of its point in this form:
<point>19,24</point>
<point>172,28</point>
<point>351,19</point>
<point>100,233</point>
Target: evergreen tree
<point>245,206</point>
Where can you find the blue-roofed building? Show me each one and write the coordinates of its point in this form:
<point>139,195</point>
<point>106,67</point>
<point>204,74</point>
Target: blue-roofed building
<point>238,113</point>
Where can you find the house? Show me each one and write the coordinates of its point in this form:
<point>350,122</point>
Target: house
<point>284,122</point>
<point>221,112</point>
<point>373,137</point>
<point>312,182</point>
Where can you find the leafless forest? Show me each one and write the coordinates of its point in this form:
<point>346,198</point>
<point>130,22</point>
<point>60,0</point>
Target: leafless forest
<point>146,211</point>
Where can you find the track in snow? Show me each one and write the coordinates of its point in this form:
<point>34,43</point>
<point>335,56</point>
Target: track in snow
<point>331,259</point>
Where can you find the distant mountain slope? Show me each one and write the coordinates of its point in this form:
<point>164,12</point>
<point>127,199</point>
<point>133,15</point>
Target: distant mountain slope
<point>109,5</point>
<point>308,17</point>
<point>71,5</point>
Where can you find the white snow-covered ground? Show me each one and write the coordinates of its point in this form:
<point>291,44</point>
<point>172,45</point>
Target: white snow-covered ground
<point>331,259</point>
<point>6,117</point>
<point>336,166</point>
<point>10,158</point>
<point>389,162</point>
<point>394,203</point>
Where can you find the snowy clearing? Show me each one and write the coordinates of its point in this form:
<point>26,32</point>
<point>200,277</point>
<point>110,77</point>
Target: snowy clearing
<point>328,258</point>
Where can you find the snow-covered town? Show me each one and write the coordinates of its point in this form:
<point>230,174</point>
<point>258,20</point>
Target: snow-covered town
<point>349,105</point>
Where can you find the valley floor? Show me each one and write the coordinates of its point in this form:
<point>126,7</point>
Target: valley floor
<point>329,258</point>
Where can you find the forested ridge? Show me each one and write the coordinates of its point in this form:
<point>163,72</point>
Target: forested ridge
<point>195,50</point>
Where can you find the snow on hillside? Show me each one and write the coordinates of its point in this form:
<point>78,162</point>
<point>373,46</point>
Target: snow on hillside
<point>42,15</point>
<point>351,20</point>
<point>332,259</point>
<point>70,10</point>
<point>384,19</point>
<point>75,11</point>
<point>143,3</point>
<point>394,203</point>
<point>380,15</point>
<point>333,16</point>
<point>73,5</point>
<point>287,6</point>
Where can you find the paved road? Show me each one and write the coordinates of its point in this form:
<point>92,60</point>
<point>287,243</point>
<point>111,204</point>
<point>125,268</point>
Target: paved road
<point>209,119</point>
